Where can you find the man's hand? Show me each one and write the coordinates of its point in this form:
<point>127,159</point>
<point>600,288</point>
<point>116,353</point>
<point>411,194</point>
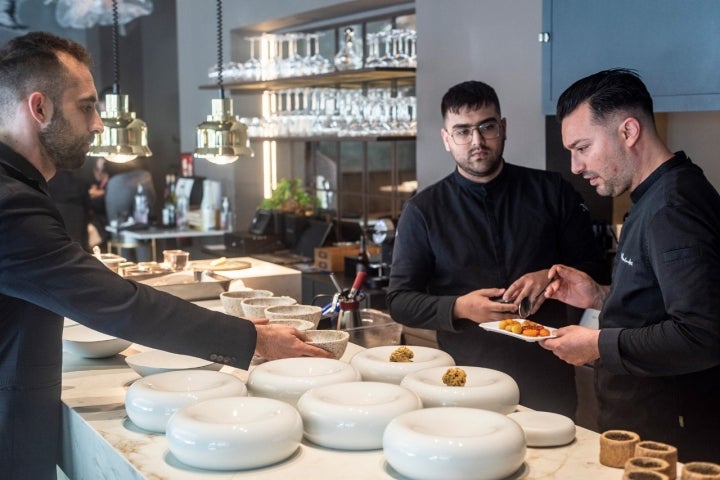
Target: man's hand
<point>479,307</point>
<point>575,288</point>
<point>529,286</point>
<point>282,341</point>
<point>575,344</point>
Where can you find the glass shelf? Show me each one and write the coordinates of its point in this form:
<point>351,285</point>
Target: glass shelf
<point>403,76</point>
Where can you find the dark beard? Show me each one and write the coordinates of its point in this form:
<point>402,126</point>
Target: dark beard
<point>65,150</point>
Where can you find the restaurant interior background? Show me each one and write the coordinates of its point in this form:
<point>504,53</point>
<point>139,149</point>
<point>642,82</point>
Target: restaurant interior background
<point>165,58</point>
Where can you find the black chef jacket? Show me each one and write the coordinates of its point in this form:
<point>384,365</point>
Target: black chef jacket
<point>457,236</point>
<point>659,369</point>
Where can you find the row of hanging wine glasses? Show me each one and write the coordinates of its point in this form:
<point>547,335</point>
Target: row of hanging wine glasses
<point>275,56</point>
<point>300,112</point>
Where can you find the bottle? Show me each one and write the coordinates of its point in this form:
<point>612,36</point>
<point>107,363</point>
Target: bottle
<point>363,261</point>
<point>225,214</point>
<point>142,206</point>
<point>168,213</point>
<point>208,208</point>
<point>182,206</point>
<point>348,58</point>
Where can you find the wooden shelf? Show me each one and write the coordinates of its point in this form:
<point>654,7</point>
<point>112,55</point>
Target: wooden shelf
<point>380,76</point>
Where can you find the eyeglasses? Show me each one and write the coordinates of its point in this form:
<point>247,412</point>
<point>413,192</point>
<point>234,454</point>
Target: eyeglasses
<point>488,131</point>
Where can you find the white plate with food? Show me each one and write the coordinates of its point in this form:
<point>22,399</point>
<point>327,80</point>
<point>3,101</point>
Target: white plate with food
<point>390,363</point>
<point>500,327</point>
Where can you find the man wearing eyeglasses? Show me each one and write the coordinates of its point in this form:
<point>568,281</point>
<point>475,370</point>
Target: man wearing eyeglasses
<point>471,246</point>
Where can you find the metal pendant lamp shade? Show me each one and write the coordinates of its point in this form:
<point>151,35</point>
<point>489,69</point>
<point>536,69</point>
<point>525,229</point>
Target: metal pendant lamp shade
<point>222,138</point>
<point>124,136</point>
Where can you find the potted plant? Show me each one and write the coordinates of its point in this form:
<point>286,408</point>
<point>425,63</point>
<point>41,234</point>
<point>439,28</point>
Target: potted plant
<point>289,202</point>
<point>290,196</point>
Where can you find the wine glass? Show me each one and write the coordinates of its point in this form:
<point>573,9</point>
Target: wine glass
<point>252,67</point>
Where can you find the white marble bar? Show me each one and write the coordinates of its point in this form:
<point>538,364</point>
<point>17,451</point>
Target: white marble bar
<point>101,442</point>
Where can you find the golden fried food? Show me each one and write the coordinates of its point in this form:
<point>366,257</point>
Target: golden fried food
<point>402,354</point>
<point>526,327</point>
<point>455,377</point>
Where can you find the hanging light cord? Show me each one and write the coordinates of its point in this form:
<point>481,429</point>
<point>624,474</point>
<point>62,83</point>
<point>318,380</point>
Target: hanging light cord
<point>220,49</point>
<point>116,57</point>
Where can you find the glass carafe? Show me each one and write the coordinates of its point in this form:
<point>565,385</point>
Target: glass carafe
<point>348,58</point>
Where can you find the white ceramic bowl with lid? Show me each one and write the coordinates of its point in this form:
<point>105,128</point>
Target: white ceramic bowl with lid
<point>454,443</point>
<point>234,433</point>
<point>151,400</point>
<point>374,363</point>
<point>484,388</point>
<point>288,378</point>
<point>353,416</point>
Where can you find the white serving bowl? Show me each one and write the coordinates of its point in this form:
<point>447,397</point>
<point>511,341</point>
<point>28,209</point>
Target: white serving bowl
<point>484,388</point>
<point>374,363</point>
<point>89,343</point>
<point>232,300</point>
<point>334,341</point>
<point>454,443</point>
<point>151,400</point>
<point>296,323</point>
<point>353,416</point>
<point>255,307</point>
<point>545,429</point>
<point>288,378</point>
<point>311,313</point>
<point>234,433</point>
<point>159,361</point>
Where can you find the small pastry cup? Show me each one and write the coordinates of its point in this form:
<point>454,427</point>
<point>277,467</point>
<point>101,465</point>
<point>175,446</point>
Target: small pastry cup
<point>667,452</point>
<point>644,464</point>
<point>617,447</point>
<point>700,471</point>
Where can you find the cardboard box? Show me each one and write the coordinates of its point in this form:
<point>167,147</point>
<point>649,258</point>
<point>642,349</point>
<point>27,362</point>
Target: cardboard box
<point>333,258</point>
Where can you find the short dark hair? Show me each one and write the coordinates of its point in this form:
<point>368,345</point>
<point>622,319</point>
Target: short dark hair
<point>30,63</point>
<point>606,92</point>
<point>471,94</point>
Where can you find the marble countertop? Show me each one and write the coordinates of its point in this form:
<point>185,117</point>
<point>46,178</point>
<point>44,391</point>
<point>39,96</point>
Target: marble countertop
<point>101,442</point>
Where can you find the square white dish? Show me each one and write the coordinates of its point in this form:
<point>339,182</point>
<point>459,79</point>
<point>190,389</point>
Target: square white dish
<point>493,327</point>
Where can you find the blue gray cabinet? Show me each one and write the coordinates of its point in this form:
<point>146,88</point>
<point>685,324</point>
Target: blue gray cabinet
<point>673,44</point>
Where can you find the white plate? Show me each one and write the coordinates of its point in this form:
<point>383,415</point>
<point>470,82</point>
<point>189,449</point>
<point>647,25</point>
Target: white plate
<point>150,401</point>
<point>159,361</point>
<point>353,416</point>
<point>454,443</point>
<point>493,327</point>
<point>288,378</point>
<point>374,363</point>
<point>484,388</point>
<point>89,343</point>
<point>234,433</point>
<point>545,429</point>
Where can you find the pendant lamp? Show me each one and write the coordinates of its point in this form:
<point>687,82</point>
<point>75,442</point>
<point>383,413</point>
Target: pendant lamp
<point>124,137</point>
<point>222,138</point>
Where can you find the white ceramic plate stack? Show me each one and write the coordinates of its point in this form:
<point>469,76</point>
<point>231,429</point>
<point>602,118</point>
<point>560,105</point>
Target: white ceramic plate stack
<point>454,443</point>
<point>159,361</point>
<point>151,400</point>
<point>484,388</point>
<point>353,416</point>
<point>288,378</point>
<point>374,363</point>
<point>234,433</point>
<point>89,343</point>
